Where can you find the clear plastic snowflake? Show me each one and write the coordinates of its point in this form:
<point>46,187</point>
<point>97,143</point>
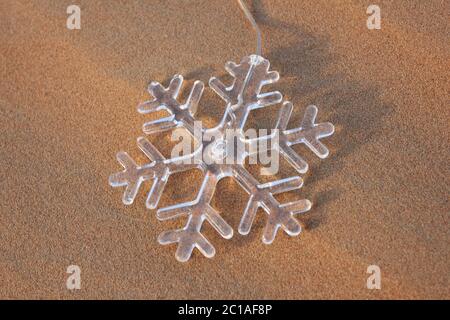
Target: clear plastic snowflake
<point>241,97</point>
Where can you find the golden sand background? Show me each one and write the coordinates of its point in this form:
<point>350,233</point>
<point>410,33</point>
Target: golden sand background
<point>68,104</point>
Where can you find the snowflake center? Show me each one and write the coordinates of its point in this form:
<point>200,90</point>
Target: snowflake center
<point>218,150</point>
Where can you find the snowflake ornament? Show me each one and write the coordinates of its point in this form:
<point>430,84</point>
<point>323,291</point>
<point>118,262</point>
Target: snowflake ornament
<point>241,97</point>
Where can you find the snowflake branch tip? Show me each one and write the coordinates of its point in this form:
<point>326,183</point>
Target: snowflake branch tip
<point>194,97</point>
<point>187,243</point>
<point>249,77</point>
<point>310,133</point>
<point>297,207</point>
<point>197,211</point>
<point>195,208</point>
<point>279,215</point>
<point>216,220</point>
<point>174,211</point>
<point>133,175</point>
<point>292,157</point>
<point>290,225</point>
<point>188,238</point>
<point>159,125</point>
<point>149,149</point>
<point>284,115</point>
<point>268,99</point>
<point>283,218</point>
<point>283,185</point>
<point>166,99</point>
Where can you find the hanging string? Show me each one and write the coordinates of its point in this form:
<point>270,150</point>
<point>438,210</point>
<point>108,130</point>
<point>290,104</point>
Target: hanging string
<point>250,18</point>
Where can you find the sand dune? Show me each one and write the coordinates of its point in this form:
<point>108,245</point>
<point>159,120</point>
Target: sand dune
<point>68,104</point>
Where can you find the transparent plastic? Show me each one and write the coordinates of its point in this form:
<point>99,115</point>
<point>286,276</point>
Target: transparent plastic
<point>241,97</point>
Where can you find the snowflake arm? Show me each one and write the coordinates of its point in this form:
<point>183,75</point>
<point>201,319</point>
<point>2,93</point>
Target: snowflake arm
<point>308,133</point>
<point>244,93</point>
<point>166,99</point>
<point>158,170</point>
<point>198,211</point>
<point>261,195</point>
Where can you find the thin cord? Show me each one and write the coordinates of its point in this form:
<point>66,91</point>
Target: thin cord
<point>250,18</point>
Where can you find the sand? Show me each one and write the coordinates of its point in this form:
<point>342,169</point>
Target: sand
<point>68,104</point>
